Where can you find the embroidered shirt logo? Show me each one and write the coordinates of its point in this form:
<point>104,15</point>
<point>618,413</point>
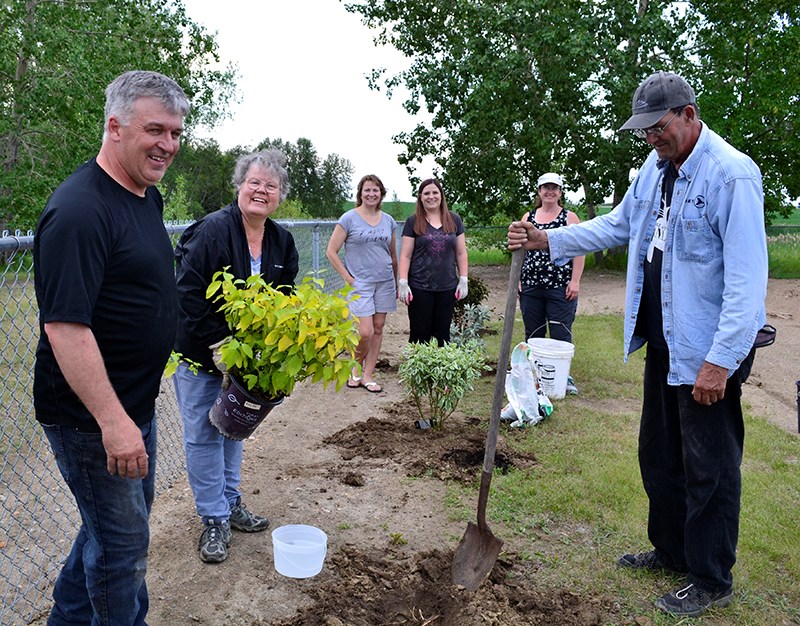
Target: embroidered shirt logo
<point>699,201</point>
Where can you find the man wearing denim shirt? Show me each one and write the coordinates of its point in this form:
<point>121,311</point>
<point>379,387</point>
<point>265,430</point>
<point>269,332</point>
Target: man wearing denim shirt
<point>693,220</point>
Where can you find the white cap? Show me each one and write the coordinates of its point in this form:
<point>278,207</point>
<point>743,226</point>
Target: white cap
<point>550,177</point>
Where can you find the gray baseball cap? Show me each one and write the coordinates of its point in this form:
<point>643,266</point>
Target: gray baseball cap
<point>657,94</point>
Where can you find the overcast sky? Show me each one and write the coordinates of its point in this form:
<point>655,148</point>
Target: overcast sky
<point>303,67</point>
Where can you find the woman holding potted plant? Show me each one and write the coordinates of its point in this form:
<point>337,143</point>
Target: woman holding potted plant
<point>370,268</point>
<point>433,265</point>
<point>243,238</point>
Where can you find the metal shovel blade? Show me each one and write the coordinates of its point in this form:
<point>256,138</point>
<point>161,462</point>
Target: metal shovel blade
<point>478,549</point>
<point>475,557</point>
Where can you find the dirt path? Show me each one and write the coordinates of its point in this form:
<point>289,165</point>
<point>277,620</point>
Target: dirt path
<point>321,460</point>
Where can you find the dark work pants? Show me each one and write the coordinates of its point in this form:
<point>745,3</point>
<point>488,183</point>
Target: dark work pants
<point>547,307</point>
<point>690,457</point>
<point>430,314</point>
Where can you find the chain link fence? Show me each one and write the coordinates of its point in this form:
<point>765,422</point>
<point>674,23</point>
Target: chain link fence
<point>38,519</point>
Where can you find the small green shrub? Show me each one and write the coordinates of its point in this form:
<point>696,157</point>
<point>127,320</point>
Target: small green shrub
<point>439,377</point>
<point>470,325</point>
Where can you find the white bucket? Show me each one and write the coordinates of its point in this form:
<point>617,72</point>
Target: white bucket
<point>298,550</point>
<point>552,358</point>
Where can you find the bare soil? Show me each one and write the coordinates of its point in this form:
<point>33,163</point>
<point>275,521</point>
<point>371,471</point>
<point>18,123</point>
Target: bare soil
<point>353,464</point>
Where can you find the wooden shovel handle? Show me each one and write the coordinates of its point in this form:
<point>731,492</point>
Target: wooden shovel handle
<point>499,384</point>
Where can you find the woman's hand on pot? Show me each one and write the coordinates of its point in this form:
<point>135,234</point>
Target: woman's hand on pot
<point>216,354</point>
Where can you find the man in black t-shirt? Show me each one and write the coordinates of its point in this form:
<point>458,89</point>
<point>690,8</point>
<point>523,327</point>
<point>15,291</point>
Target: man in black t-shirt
<point>105,287</point>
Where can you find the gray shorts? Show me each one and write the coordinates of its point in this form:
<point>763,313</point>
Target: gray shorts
<point>374,297</point>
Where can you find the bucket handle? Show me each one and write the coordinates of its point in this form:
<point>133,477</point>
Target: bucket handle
<point>552,322</point>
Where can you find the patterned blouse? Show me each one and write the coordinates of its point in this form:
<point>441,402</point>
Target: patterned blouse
<point>538,270</point>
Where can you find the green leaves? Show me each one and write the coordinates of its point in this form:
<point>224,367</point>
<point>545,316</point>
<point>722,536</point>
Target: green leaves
<point>56,59</point>
<point>437,378</point>
<point>280,339</point>
<point>516,88</point>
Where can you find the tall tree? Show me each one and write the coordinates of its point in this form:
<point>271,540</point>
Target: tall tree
<point>519,87</point>
<point>207,172</point>
<point>319,186</point>
<point>750,87</point>
<point>56,59</point>
<point>336,174</point>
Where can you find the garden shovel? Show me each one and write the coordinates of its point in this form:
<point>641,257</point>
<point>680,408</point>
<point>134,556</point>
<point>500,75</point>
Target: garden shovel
<point>477,552</point>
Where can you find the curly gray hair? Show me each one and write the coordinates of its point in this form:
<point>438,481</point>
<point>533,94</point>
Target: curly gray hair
<point>271,160</point>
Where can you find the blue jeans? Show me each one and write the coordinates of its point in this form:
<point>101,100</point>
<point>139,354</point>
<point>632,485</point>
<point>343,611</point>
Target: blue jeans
<point>102,581</point>
<point>690,456</point>
<point>213,462</point>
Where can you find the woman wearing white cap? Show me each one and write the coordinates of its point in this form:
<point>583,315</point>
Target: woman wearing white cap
<point>549,292</point>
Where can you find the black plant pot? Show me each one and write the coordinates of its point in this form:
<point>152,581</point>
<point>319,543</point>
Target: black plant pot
<point>236,412</point>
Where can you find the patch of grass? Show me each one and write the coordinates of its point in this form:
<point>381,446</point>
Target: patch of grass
<point>397,539</point>
<point>783,248</point>
<point>784,255</point>
<point>571,516</point>
<point>487,257</point>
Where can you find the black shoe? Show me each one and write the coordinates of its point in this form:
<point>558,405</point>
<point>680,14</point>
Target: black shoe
<point>649,561</point>
<point>691,601</point>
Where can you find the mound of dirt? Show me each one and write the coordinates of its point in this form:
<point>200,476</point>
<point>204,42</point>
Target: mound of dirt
<point>392,587</point>
<point>453,453</point>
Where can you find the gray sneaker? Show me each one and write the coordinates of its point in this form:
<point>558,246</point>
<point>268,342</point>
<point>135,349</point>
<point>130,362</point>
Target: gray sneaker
<point>571,388</point>
<point>244,520</point>
<point>214,542</point>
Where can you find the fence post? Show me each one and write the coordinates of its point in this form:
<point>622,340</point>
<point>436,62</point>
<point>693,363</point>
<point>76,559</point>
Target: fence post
<point>315,249</point>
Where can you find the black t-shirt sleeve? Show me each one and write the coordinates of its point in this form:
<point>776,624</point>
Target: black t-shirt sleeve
<point>73,254</point>
<point>408,227</point>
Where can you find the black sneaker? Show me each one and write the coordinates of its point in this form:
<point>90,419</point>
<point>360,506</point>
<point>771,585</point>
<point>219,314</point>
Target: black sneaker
<point>214,542</point>
<point>244,520</point>
<point>691,601</point>
<point>649,561</point>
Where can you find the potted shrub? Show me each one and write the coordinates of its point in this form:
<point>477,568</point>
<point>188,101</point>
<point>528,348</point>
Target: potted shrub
<point>278,339</point>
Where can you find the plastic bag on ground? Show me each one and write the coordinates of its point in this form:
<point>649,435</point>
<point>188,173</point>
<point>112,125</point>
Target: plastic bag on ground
<point>526,401</point>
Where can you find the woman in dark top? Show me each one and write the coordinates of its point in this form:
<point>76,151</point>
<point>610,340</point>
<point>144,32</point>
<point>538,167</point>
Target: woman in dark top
<point>240,236</point>
<point>432,273</point>
<point>549,292</point>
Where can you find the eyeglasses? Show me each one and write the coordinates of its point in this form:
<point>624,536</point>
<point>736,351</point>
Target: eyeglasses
<point>642,133</point>
<point>255,184</point>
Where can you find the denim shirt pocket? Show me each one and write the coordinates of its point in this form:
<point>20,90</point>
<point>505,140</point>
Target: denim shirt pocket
<point>693,239</point>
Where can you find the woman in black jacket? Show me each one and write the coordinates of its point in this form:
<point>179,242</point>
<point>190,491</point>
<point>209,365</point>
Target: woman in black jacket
<point>243,237</point>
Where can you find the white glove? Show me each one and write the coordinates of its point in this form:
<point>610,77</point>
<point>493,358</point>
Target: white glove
<point>216,354</point>
<point>404,291</point>
<point>463,288</point>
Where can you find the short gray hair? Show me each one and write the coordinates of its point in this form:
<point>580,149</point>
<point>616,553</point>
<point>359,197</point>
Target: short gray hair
<point>273,161</point>
<point>123,91</point>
